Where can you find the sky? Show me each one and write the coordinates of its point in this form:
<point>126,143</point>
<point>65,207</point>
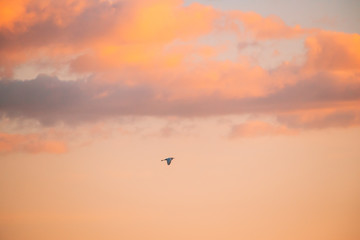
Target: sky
<point>257,101</point>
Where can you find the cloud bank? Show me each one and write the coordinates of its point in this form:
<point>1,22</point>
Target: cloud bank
<point>50,100</point>
<point>162,58</point>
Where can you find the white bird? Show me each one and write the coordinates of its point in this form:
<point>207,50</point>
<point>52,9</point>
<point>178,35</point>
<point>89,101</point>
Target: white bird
<point>168,160</point>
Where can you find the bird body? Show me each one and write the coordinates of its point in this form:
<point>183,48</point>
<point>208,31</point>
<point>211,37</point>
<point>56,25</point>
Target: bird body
<point>168,160</point>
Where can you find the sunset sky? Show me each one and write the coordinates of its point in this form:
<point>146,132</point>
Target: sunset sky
<point>258,101</point>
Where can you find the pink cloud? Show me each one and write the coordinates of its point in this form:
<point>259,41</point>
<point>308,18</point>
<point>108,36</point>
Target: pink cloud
<point>259,128</point>
<point>51,29</point>
<point>30,143</point>
<point>262,28</point>
<point>322,118</point>
<point>115,33</point>
<point>333,51</point>
<point>149,58</point>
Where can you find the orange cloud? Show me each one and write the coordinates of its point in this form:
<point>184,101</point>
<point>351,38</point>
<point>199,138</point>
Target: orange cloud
<point>54,30</point>
<point>12,12</point>
<point>161,57</point>
<point>333,51</point>
<point>225,78</point>
<point>151,27</point>
<point>259,128</point>
<point>114,34</point>
<point>271,27</point>
<point>19,15</point>
<point>30,143</point>
<point>338,115</point>
<point>163,21</point>
<point>145,36</point>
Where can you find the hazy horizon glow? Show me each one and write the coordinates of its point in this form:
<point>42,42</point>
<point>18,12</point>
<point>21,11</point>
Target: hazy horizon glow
<point>258,101</point>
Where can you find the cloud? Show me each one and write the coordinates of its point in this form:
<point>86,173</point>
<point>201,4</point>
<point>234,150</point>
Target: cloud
<point>322,118</point>
<point>333,51</point>
<point>52,29</point>
<point>262,28</point>
<point>161,58</point>
<point>162,21</point>
<point>321,90</point>
<point>30,143</point>
<point>259,128</point>
<point>111,34</point>
<point>51,100</point>
<point>11,12</point>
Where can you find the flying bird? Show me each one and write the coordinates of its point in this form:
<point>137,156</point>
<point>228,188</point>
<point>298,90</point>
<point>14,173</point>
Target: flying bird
<point>168,160</point>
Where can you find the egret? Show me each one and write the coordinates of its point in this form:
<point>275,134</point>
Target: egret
<point>168,160</point>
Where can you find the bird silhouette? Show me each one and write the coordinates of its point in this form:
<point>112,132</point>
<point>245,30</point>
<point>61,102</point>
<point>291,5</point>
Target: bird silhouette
<point>168,160</point>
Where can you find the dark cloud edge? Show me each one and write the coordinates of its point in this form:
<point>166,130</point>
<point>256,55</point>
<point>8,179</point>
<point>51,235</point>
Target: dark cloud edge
<point>50,101</point>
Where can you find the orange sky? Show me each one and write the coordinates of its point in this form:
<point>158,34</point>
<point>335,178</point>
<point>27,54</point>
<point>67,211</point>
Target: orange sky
<point>262,117</point>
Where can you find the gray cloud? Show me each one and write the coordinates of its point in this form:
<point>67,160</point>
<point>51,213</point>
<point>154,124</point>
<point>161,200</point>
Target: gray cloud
<point>318,91</point>
<point>51,100</point>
